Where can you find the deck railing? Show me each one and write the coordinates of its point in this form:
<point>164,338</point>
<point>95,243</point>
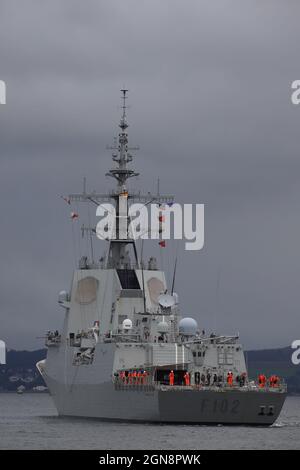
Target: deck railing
<point>148,384</point>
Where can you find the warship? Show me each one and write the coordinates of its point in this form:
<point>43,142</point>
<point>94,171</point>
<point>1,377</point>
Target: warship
<point>125,352</point>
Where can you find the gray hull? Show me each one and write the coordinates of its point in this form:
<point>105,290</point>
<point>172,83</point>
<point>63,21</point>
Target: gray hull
<point>167,406</point>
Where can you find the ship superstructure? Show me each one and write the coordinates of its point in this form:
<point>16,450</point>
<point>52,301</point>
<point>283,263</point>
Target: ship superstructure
<point>125,352</point>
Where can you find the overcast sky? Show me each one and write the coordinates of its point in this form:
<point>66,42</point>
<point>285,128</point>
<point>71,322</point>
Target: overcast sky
<point>210,109</point>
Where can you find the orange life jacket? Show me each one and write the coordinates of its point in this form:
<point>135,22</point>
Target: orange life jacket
<point>187,378</point>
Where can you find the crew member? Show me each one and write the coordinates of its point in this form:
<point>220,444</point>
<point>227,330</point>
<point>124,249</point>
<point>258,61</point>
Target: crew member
<point>130,378</point>
<point>243,379</point>
<point>186,378</point>
<point>125,377</point>
<point>275,381</point>
<point>208,377</point>
<point>171,377</point>
<point>122,376</point>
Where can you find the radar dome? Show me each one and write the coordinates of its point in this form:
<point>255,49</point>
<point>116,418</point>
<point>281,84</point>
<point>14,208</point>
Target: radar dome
<point>188,327</point>
<point>127,324</point>
<point>163,327</point>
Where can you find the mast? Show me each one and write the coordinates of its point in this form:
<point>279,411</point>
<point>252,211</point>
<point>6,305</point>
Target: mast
<point>121,195</point>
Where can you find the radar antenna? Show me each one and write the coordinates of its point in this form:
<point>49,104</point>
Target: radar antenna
<point>121,196</point>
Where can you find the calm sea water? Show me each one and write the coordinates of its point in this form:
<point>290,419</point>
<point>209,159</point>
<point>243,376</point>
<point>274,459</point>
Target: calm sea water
<point>30,421</point>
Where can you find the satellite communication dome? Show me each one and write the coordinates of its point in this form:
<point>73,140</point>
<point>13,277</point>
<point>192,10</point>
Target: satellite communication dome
<point>175,298</point>
<point>127,324</point>
<point>188,326</point>
<point>63,296</point>
<point>163,327</point>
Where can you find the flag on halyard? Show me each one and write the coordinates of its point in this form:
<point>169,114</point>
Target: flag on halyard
<point>66,199</point>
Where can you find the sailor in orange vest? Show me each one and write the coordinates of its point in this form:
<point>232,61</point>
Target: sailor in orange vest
<point>134,377</point>
<point>275,380</point>
<point>187,378</point>
<point>230,378</point>
<point>271,380</point>
<point>262,380</point>
<point>139,377</point>
<point>130,378</point>
<point>171,377</point>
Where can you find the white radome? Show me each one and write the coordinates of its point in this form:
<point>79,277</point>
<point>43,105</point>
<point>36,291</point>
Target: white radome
<point>2,352</point>
<point>188,326</point>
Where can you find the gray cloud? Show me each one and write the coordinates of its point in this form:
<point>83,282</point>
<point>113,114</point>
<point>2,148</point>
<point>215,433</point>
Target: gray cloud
<point>210,108</point>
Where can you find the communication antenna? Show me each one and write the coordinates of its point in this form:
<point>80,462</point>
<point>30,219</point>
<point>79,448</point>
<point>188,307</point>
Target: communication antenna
<point>166,301</point>
<point>174,276</point>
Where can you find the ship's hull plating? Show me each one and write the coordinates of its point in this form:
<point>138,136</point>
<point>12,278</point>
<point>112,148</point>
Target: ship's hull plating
<point>167,406</point>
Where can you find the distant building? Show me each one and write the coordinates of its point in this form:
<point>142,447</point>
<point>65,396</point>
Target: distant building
<point>2,352</point>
